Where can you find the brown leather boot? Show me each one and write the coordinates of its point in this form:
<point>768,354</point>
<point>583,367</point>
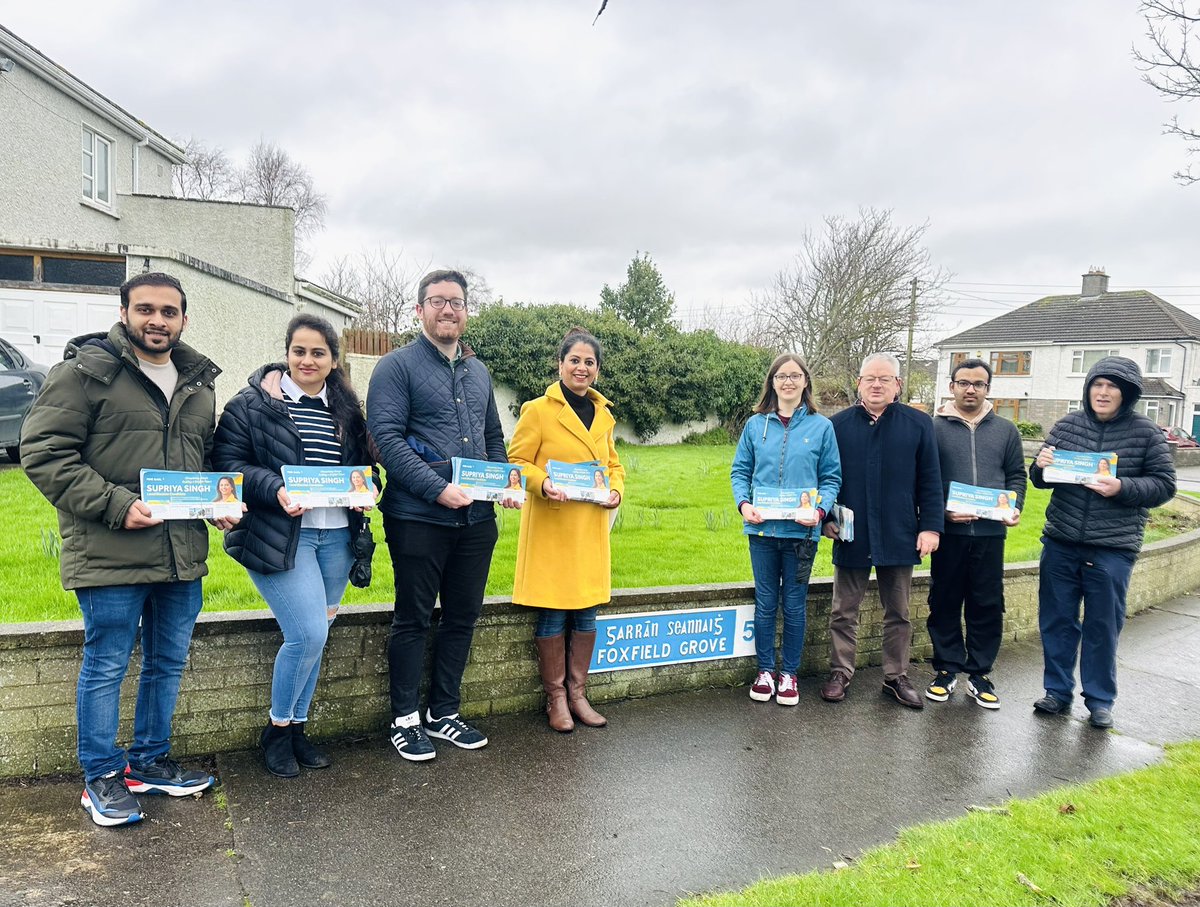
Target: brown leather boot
<point>577,671</point>
<point>552,663</point>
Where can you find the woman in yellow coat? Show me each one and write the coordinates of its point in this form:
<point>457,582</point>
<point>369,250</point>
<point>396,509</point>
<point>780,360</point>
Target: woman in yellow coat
<point>562,553</point>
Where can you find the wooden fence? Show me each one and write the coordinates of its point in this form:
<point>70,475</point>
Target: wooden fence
<point>367,343</point>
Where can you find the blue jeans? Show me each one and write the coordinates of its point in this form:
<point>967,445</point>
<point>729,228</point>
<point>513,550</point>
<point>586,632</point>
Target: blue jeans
<point>111,614</point>
<point>780,575</point>
<point>552,621</point>
<point>300,598</point>
<point>1100,576</point>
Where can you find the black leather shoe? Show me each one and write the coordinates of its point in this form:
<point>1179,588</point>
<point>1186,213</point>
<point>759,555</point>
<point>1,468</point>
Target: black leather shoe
<point>276,743</point>
<point>1101,717</point>
<point>902,689</point>
<point>307,755</point>
<point>1049,705</point>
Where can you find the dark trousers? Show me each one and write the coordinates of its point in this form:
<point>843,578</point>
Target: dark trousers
<point>434,562</point>
<point>966,585</point>
<point>1099,576</point>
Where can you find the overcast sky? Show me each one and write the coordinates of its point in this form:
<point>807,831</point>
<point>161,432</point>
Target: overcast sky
<point>520,140</point>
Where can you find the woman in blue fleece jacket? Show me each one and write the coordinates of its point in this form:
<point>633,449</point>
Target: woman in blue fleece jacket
<point>787,445</point>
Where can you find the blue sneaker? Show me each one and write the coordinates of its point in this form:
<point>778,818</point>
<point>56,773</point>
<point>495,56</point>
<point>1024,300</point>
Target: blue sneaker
<point>109,802</point>
<point>455,730</point>
<point>166,776</point>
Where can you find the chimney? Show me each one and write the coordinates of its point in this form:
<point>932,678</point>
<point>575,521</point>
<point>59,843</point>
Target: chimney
<point>1095,282</point>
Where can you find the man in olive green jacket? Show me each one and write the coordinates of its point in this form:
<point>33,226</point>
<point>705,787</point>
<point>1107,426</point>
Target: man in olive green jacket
<point>132,399</point>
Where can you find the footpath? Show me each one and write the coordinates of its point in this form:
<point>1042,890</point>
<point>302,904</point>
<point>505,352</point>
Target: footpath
<point>679,794</point>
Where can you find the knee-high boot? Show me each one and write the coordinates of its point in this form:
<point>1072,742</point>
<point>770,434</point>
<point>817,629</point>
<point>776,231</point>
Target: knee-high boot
<point>580,659</point>
<point>552,663</point>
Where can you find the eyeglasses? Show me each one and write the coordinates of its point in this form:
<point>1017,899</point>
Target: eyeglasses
<point>963,385</point>
<point>440,302</point>
<point>788,379</point>
<point>884,380</point>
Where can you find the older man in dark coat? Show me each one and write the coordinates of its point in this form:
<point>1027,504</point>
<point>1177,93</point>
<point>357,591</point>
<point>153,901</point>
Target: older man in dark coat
<point>892,482</point>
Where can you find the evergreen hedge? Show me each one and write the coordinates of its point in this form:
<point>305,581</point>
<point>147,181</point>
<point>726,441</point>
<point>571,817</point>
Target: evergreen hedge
<point>668,376</point>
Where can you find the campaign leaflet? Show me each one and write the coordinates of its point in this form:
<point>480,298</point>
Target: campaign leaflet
<point>985,503</point>
<point>580,481</point>
<point>1073,467</point>
<point>844,517</point>
<point>329,486</point>
<point>173,495</point>
<point>486,480</point>
<point>786,503</point>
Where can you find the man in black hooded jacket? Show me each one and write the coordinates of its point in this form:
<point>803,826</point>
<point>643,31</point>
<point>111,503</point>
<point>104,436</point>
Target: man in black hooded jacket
<point>1093,534</point>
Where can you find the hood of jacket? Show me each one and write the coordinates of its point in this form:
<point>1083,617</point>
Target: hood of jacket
<point>949,411</point>
<point>102,353</point>
<point>269,379</point>
<point>1122,372</point>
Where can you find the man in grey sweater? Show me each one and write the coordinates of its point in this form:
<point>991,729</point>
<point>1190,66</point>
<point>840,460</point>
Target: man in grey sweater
<point>975,447</point>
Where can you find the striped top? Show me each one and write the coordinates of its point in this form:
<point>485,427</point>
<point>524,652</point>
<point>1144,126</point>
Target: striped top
<point>318,437</point>
<point>318,431</point>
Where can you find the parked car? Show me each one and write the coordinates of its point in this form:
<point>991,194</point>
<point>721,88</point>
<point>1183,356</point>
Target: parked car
<point>1179,437</point>
<point>20,381</point>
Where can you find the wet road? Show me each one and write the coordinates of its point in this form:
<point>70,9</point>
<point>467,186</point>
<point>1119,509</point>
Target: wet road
<point>680,794</point>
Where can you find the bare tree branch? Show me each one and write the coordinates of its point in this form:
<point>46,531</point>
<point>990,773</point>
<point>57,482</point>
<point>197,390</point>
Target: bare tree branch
<point>847,295</point>
<point>383,282</point>
<point>1167,64</point>
<point>207,175</point>
<point>272,177</point>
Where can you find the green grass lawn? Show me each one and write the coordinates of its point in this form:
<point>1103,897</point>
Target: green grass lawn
<point>1086,844</point>
<point>678,526</point>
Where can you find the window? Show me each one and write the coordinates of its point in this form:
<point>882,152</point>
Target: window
<point>64,269</point>
<point>83,272</point>
<point>956,358</point>
<point>1074,406</point>
<point>1158,362</point>
<point>97,167</point>
<point>1150,408</point>
<point>16,267</point>
<point>1008,408</point>
<point>1083,360</point>
<point>1011,362</point>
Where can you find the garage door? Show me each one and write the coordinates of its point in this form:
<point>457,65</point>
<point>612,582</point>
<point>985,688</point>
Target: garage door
<point>40,322</point>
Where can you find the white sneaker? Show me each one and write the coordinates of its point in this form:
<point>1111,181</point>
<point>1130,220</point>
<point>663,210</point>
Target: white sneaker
<point>764,687</point>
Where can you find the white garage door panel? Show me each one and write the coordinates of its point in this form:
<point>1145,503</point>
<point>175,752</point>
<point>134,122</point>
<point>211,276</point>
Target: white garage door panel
<point>40,322</point>
<point>16,315</point>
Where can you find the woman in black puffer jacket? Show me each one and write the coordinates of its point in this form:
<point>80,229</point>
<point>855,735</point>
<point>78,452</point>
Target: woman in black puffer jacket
<point>300,413</point>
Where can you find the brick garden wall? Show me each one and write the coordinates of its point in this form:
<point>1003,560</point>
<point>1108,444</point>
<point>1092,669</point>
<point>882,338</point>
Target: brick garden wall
<point>226,686</point>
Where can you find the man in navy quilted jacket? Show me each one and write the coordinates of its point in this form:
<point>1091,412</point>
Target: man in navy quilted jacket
<point>1093,534</point>
<point>428,402</point>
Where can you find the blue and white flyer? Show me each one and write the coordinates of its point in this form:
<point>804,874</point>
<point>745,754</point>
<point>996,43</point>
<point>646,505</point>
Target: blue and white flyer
<point>786,503</point>
<point>173,495</point>
<point>985,503</point>
<point>486,480</point>
<point>580,481</point>
<point>1073,467</point>
<point>329,486</point>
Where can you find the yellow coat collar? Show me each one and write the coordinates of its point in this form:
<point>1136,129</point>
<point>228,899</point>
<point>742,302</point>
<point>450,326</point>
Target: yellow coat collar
<point>601,425</point>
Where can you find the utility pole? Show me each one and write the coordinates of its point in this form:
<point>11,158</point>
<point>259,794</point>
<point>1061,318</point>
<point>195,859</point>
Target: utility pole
<point>912,326</point>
